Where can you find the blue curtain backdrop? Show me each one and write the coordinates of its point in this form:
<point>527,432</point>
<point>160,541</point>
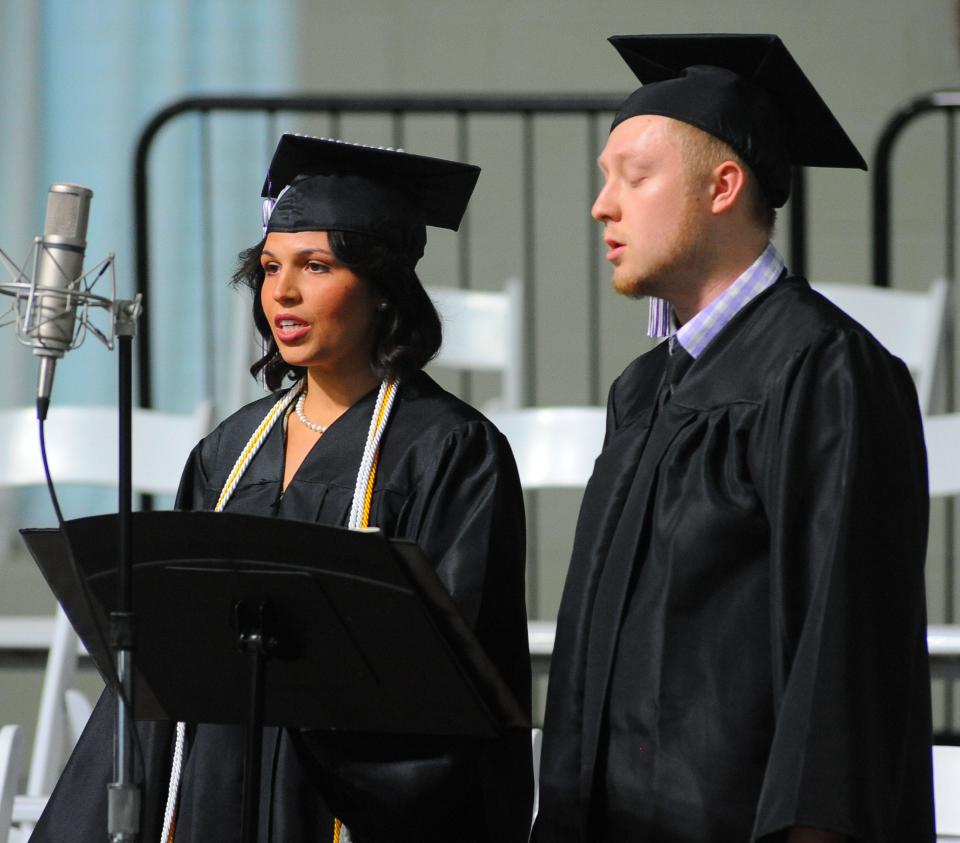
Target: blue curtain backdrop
<point>78,80</point>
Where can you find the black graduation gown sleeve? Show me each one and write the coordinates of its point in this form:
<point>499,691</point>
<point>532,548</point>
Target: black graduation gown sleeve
<point>467,517</point>
<point>840,466</point>
<point>195,481</point>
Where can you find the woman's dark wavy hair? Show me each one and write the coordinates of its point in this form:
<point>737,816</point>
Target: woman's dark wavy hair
<point>408,331</point>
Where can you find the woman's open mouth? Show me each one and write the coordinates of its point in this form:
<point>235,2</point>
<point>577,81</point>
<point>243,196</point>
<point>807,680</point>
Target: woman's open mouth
<point>288,329</point>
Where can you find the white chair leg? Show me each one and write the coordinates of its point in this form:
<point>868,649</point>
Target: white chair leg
<point>536,738</point>
<point>946,790</point>
<point>48,744</point>
<point>79,709</point>
<point>11,761</point>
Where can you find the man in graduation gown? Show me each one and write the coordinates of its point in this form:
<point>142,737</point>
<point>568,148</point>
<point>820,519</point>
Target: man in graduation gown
<point>740,650</point>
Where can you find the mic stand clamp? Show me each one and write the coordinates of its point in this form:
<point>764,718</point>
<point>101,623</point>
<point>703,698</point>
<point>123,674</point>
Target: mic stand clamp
<point>126,312</point>
<point>123,794</point>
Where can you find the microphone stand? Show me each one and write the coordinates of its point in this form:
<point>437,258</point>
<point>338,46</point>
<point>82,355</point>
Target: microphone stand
<point>123,794</point>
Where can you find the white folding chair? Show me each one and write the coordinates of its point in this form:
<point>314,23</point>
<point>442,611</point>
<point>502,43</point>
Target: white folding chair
<point>908,323</point>
<point>483,332</point>
<point>946,791</point>
<point>11,761</point>
<point>555,447</point>
<point>81,450</point>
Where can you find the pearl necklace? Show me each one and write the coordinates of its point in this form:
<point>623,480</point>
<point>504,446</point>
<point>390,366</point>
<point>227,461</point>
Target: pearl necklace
<point>298,409</point>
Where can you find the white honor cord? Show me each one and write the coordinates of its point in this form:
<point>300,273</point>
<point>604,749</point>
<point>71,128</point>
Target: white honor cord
<point>378,422</point>
<point>277,412</point>
<point>175,768</point>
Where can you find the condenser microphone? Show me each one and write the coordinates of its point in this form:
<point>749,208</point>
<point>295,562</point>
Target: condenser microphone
<point>59,269</point>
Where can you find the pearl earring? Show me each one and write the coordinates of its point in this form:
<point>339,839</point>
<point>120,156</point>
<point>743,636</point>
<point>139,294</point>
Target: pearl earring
<point>382,306</point>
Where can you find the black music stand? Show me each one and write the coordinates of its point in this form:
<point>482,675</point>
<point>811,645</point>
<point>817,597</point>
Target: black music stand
<point>281,623</point>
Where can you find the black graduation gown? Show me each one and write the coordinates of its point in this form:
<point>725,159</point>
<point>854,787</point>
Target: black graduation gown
<point>447,480</point>
<point>741,640</point>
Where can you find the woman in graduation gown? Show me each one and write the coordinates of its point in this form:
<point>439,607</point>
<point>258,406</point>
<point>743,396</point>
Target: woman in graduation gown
<point>344,317</point>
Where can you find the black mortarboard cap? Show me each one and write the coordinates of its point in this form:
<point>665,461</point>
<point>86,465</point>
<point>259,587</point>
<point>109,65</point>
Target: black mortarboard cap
<point>322,184</point>
<point>746,90</point>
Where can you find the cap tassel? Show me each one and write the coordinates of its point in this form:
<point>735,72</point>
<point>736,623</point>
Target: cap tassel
<point>266,210</point>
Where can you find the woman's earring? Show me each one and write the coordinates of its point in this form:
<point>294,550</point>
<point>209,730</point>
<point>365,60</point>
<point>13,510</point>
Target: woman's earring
<point>382,306</point>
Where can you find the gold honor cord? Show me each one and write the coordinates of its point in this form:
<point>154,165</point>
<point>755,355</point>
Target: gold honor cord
<point>365,480</point>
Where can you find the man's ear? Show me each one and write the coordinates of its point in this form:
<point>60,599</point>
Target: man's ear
<point>728,183</point>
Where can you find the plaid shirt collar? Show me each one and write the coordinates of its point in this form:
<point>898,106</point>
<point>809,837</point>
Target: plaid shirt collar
<point>700,331</point>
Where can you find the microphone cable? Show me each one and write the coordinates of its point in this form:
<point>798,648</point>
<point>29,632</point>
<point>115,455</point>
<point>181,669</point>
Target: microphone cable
<point>88,601</point>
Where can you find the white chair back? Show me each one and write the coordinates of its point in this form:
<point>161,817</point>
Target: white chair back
<point>908,323</point>
<point>483,332</point>
<point>942,434</point>
<point>555,447</point>
<point>82,446</point>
